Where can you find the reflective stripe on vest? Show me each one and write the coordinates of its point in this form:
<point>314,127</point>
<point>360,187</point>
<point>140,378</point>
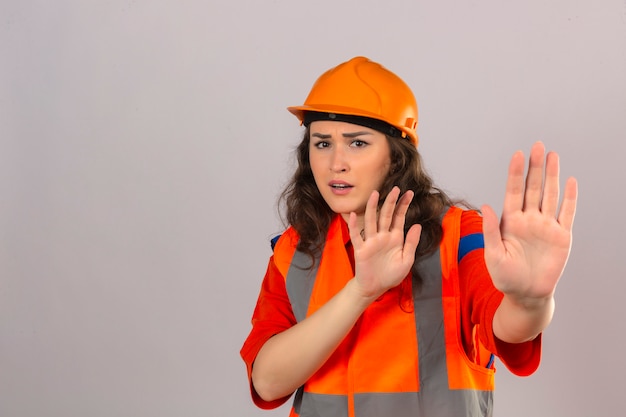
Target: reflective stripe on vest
<point>392,363</point>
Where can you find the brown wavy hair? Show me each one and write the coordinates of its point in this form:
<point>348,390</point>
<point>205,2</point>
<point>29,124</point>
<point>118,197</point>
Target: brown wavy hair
<point>302,206</point>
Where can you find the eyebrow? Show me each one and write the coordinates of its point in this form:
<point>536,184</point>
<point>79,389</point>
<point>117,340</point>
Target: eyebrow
<point>345,135</point>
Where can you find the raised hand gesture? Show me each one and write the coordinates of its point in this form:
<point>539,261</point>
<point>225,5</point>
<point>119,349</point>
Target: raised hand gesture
<point>382,255</point>
<point>526,251</point>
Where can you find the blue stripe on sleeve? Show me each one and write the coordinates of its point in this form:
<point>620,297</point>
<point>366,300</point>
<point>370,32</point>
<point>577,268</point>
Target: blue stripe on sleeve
<point>274,240</point>
<point>470,242</point>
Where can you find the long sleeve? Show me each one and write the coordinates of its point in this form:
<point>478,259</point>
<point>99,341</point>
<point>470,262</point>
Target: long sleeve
<point>480,302</point>
<point>272,315</point>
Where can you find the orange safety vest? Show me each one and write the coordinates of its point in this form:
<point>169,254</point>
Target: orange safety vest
<point>404,356</point>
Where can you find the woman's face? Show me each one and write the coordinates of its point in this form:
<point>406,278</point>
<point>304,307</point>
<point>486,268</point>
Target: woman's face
<point>348,163</point>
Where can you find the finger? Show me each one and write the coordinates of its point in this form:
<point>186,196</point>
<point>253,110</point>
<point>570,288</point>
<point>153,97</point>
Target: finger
<point>550,199</point>
<point>491,234</point>
<point>514,193</point>
<point>370,216</point>
<point>568,207</point>
<point>386,212</point>
<point>399,216</point>
<point>355,231</point>
<point>410,243</point>
<point>534,179</point>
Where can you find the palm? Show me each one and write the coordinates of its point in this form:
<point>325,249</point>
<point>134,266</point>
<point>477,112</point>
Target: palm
<point>527,251</point>
<point>382,255</point>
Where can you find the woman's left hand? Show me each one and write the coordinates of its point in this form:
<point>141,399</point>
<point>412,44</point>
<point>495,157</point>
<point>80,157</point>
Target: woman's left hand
<point>526,251</point>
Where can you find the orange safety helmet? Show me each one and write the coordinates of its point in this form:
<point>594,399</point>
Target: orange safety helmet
<point>366,89</point>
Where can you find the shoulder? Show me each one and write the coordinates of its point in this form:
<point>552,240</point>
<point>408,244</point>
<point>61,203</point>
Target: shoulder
<point>284,246</point>
<point>471,222</point>
<point>468,221</point>
<point>471,236</point>
<point>288,237</point>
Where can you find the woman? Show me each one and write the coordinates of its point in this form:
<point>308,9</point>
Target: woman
<point>383,298</point>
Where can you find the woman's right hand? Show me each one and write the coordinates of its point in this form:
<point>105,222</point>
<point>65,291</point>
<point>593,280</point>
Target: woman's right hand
<point>382,255</point>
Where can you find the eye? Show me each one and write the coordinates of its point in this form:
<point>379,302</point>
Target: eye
<point>321,144</point>
<point>357,143</point>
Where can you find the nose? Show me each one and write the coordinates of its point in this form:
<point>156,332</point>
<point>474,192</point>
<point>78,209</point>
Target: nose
<point>339,161</point>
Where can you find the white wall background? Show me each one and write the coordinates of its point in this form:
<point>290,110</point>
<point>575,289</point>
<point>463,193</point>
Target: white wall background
<point>143,144</point>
